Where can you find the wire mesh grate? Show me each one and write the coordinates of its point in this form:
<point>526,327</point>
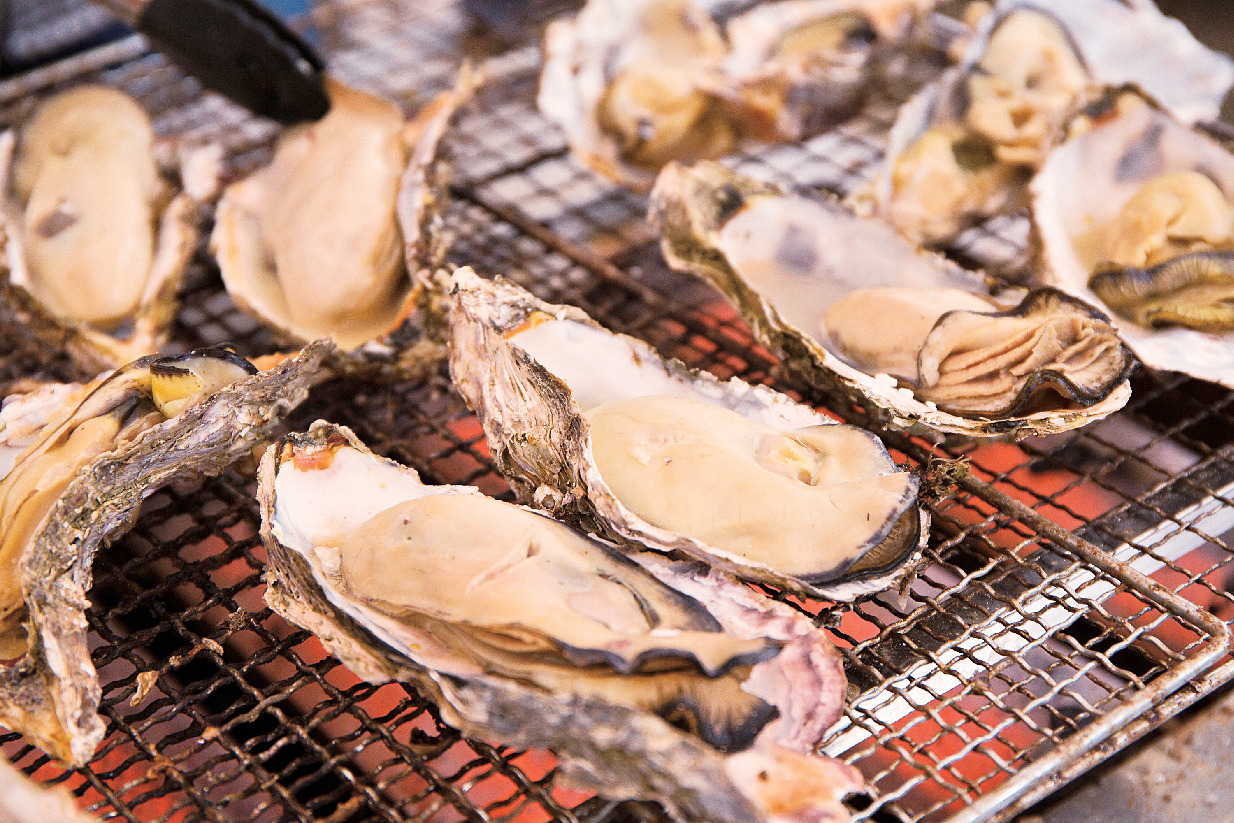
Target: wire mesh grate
<point>975,689</point>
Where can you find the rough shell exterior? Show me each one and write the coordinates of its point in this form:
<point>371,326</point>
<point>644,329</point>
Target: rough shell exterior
<point>52,694</point>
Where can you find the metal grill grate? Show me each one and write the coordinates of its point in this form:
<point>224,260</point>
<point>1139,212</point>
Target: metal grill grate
<point>1022,654</point>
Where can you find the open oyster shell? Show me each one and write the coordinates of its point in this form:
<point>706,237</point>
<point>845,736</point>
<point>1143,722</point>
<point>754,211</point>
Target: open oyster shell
<point>637,83</point>
<point>648,451</point>
<point>853,308</point>
<point>78,461</point>
<point>964,147</point>
<point>328,239</point>
<point>1151,200</point>
<point>96,235</point>
<point>585,663</point>
<point>796,68</point>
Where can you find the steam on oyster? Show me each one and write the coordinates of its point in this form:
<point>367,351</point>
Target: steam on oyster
<point>77,461</point>
<point>963,149</point>
<point>96,236</point>
<point>651,452</point>
<point>661,682</point>
<point>854,308</point>
<point>327,240</point>
<point>637,83</point>
<point>1135,212</point>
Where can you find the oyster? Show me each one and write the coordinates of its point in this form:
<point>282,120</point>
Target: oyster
<point>652,453</point>
<point>1135,212</point>
<point>637,83</point>
<point>854,308</point>
<point>663,682</point>
<point>327,240</point>
<point>79,463</point>
<point>963,149</point>
<point>97,237</point>
<point>795,68</point>
<point>622,80</point>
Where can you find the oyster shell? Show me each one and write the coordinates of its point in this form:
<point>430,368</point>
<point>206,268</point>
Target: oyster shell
<point>526,632</point>
<point>96,236</point>
<point>79,479</point>
<point>327,240</point>
<point>637,83</point>
<point>855,309</point>
<point>650,452</point>
<point>1135,212</point>
<point>963,149</point>
<point>796,68</point>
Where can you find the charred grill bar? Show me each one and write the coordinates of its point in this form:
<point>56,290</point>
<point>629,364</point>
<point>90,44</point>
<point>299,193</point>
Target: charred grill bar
<point>1074,597</point>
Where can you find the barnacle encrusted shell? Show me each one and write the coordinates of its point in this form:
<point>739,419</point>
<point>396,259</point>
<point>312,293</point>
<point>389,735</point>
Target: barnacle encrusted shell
<point>548,667</point>
<point>81,461</point>
<point>328,239</point>
<point>796,68</point>
<point>1150,200</point>
<point>852,307</point>
<point>964,147</point>
<point>96,235</point>
<point>598,428</point>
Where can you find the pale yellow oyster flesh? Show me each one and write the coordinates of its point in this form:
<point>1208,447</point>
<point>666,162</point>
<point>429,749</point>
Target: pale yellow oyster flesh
<point>97,239</point>
<point>780,494</point>
<point>312,241</point>
<point>328,239</point>
<point>108,417</point>
<point>1017,97</point>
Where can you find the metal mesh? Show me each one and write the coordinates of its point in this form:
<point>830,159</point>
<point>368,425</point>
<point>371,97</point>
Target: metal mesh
<point>1019,656</point>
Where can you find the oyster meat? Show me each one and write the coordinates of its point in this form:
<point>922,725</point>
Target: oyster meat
<point>97,237</point>
<point>964,148</point>
<point>1135,212</point>
<point>652,453</point>
<point>663,682</point>
<point>327,240</point>
<point>852,307</point>
<point>77,463</point>
<point>637,83</point>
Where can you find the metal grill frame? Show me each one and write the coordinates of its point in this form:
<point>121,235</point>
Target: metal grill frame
<point>210,697</point>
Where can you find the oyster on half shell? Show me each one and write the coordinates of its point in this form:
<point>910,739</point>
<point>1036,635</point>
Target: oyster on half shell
<point>963,149</point>
<point>659,682</point>
<point>1135,212</point>
<point>637,83</point>
<point>649,452</point>
<point>77,462</point>
<point>854,308</point>
<point>328,239</point>
<point>96,234</point>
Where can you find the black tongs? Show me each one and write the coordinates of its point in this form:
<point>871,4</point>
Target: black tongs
<point>237,48</point>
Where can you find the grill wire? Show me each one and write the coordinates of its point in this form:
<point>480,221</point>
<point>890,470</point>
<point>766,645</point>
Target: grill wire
<point>1016,659</point>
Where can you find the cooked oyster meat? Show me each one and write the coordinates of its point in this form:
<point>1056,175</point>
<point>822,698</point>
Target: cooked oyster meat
<point>965,147</point>
<point>326,240</point>
<point>529,632</point>
<point>97,237</point>
<point>799,501</point>
<point>85,459</point>
<point>657,455</point>
<point>1135,212</point>
<point>846,299</point>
